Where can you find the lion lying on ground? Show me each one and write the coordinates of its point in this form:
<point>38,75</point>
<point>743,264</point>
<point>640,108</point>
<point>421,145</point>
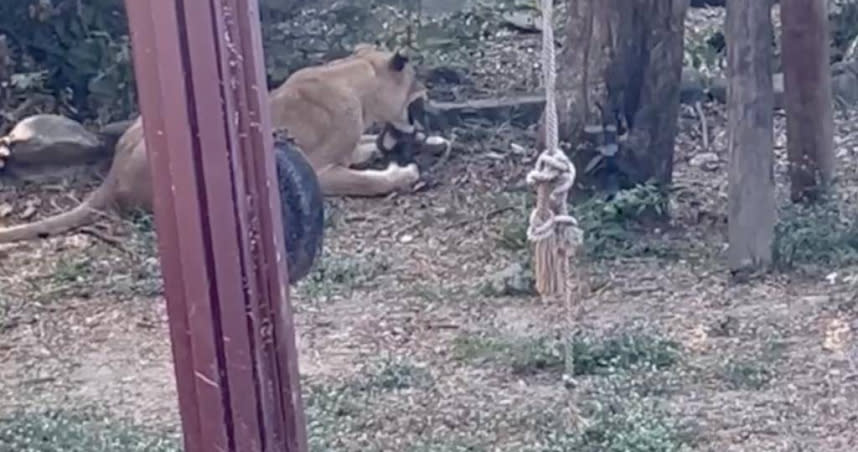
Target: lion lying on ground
<point>325,109</point>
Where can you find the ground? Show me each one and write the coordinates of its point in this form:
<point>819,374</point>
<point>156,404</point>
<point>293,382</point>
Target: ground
<point>409,341</point>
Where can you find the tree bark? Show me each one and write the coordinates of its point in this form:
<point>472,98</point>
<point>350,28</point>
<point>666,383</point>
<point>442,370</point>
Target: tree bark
<point>752,213</point>
<point>5,68</point>
<point>808,97</point>
<point>621,68</point>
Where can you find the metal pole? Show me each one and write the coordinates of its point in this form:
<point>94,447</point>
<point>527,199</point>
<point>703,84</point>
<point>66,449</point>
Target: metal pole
<point>203,98</point>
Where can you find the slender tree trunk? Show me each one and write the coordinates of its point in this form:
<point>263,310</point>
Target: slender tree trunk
<point>620,69</point>
<point>807,97</point>
<point>5,68</point>
<point>752,212</point>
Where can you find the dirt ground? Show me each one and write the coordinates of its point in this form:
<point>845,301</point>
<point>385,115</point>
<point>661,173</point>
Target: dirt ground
<point>404,345</point>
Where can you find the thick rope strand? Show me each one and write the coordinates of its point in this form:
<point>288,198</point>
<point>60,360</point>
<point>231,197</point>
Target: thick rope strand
<point>550,223</point>
<point>549,70</point>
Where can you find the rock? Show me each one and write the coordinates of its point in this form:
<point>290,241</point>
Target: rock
<point>844,88</point>
<point>44,143</point>
<point>693,86</point>
<point>718,90</point>
<point>708,161</point>
<point>513,280</point>
<point>525,21</point>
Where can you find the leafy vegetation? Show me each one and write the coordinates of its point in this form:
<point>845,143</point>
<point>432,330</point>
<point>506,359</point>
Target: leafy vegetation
<point>591,356</point>
<point>338,274</point>
<point>613,225</point>
<point>746,375</point>
<point>85,430</point>
<point>815,235</point>
<point>76,52</point>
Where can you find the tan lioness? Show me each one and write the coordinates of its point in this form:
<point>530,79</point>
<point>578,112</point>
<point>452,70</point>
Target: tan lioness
<point>324,108</point>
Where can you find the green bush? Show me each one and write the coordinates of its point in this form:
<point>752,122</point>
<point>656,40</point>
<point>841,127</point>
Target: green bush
<point>813,235</point>
<point>77,52</point>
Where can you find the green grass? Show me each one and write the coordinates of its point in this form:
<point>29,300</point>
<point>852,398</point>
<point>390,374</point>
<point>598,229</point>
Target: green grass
<point>336,275</point>
<point>746,375</point>
<point>94,270</point>
<point>82,431</point>
<point>340,409</point>
<point>621,413</point>
<point>816,236</point>
<point>612,227</point>
<point>627,424</point>
<point>393,374</point>
<point>529,356</point>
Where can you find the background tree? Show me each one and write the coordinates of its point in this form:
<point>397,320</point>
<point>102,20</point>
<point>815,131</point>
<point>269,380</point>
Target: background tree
<point>621,67</point>
<point>807,96</point>
<point>752,212</point>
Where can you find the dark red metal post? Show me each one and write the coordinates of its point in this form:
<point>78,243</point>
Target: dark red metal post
<point>203,98</point>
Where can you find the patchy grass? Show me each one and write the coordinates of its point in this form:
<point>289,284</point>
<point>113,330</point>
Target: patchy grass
<point>612,225</point>
<point>527,356</point>
<point>6,319</point>
<point>627,351</point>
<point>338,409</point>
<point>622,421</point>
<point>88,272</point>
<point>332,413</point>
<point>815,236</point>
<point>746,375</point>
<point>394,374</point>
<point>436,293</point>
<point>84,430</point>
<point>340,275</point>
<point>616,418</point>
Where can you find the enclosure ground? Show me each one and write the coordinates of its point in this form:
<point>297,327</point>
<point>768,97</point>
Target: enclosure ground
<point>418,330</point>
<point>405,345</point>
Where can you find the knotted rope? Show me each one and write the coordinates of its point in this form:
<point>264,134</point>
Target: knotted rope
<point>553,230</point>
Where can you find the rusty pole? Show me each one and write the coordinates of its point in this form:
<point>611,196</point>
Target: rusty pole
<point>203,99</point>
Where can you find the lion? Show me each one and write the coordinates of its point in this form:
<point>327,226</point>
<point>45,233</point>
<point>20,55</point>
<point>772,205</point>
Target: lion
<point>325,111</point>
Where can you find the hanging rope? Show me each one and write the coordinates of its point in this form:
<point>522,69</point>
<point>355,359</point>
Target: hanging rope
<point>553,230</point>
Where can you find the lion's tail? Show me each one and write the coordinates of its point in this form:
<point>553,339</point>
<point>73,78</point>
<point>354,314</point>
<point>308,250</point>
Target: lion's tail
<point>87,212</point>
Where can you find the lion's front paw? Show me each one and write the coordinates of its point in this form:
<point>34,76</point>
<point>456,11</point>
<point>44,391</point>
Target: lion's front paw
<point>409,175</point>
<point>403,176</point>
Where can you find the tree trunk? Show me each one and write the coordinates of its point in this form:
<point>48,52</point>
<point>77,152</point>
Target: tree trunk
<point>808,98</point>
<point>752,213</point>
<point>620,68</point>
<point>5,68</point>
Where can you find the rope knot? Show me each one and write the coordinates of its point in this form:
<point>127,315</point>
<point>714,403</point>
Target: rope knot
<point>553,168</point>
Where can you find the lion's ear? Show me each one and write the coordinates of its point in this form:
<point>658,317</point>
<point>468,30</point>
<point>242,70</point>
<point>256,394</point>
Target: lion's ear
<point>398,61</point>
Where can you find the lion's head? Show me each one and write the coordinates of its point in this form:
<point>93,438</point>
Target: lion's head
<point>397,85</point>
